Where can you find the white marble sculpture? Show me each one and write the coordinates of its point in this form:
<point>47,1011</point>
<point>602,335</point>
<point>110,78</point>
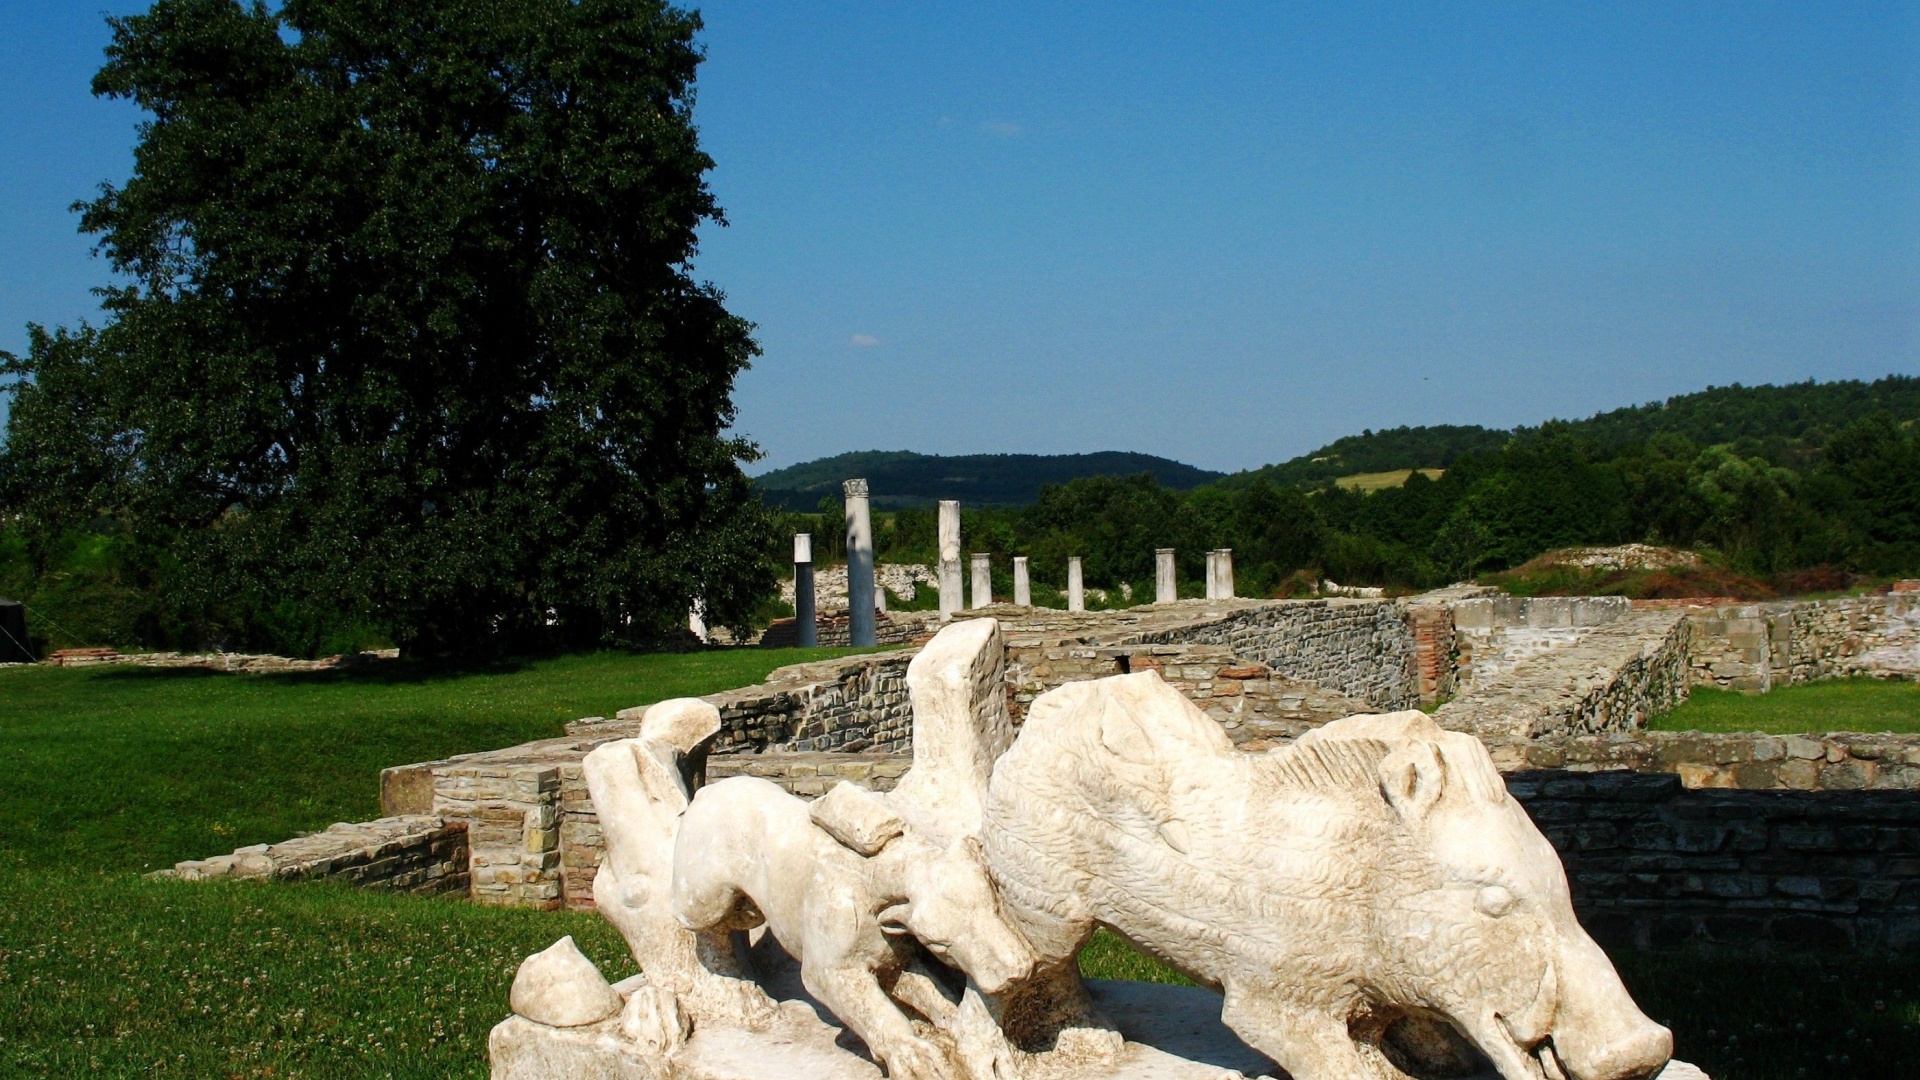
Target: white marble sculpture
<point>853,896</point>
<point>1368,903</point>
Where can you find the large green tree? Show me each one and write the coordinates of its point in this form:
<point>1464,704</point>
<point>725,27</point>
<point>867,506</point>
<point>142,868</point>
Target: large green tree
<point>406,329</point>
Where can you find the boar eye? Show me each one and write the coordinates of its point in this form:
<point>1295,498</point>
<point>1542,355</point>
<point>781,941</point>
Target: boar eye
<point>1493,901</point>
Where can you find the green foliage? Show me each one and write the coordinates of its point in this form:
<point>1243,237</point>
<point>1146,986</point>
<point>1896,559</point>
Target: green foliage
<point>900,478</point>
<point>1868,705</point>
<point>1434,447</point>
<point>409,336</point>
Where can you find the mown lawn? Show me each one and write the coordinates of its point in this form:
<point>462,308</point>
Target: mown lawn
<point>126,768</point>
<point>1837,705</point>
<point>105,974</point>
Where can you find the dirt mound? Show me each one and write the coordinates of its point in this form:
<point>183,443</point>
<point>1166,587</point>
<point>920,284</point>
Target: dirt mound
<point>1620,557</point>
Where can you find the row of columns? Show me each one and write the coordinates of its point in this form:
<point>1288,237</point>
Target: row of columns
<point>864,600</point>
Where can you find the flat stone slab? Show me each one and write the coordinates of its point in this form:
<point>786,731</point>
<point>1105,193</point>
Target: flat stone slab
<point>1173,1033</point>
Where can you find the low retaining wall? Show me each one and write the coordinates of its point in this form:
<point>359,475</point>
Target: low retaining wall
<point>1838,761</point>
<point>412,854</point>
<point>1759,646</point>
<point>1654,864</point>
<point>1613,679</point>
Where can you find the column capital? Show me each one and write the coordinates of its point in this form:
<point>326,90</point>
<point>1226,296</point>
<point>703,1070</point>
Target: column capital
<point>855,489</point>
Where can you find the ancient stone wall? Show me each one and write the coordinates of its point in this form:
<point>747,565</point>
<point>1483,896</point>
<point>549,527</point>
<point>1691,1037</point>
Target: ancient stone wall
<point>510,803</point>
<point>1254,705</point>
<point>411,854</point>
<point>830,582</point>
<point>1656,865</point>
<point>1494,635</point>
<point>1360,648</point>
<point>1758,646</point>
<point>834,629</point>
<point>1753,762</point>
<point>1615,677</point>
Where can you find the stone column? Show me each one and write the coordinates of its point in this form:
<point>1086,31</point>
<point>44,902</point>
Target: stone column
<point>1213,575</point>
<point>982,580</point>
<point>859,565</point>
<point>1166,587</point>
<point>806,625</point>
<point>1076,586</point>
<point>951,599</point>
<point>1223,566</point>
<point>1022,588</point>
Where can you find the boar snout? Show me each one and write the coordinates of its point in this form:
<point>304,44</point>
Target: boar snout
<point>1001,961</point>
<point>1635,1054</point>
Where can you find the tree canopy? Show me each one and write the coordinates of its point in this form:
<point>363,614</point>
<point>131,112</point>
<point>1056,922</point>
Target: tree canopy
<point>405,332</point>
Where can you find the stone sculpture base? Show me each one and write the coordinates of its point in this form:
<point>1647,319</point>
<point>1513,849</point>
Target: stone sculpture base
<point>1173,1033</point>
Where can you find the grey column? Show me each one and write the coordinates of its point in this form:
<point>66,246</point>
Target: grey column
<point>1213,575</point>
<point>806,624</point>
<point>951,599</point>
<point>1223,565</point>
<point>982,580</point>
<point>859,564</point>
<point>1076,586</point>
<point>1166,588</point>
<point>1022,588</point>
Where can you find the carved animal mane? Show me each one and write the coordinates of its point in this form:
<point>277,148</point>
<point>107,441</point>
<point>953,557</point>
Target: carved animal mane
<point>1344,764</point>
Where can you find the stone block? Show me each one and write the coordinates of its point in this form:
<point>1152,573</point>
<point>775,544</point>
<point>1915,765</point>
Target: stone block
<point>1807,749</point>
<point>1798,774</point>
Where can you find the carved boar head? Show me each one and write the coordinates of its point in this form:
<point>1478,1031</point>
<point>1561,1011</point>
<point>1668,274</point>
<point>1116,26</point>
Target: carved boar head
<point>1488,940</point>
<point>953,911</point>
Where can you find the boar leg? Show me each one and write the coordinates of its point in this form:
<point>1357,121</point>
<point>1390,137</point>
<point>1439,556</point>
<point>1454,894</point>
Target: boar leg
<point>1309,1042</point>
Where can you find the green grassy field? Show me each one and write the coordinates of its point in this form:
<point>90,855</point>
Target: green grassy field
<point>1838,705</point>
<point>105,974</point>
<point>128,768</point>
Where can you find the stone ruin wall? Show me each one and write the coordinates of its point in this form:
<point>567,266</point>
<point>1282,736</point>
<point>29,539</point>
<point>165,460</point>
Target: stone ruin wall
<point>1360,648</point>
<point>1756,647</point>
<point>1643,874</point>
<point>1655,864</point>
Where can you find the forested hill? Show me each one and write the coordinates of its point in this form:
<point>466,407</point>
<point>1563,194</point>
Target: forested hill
<point>1780,423</point>
<point>900,478</point>
<point>1381,451</point>
<point>1765,417</point>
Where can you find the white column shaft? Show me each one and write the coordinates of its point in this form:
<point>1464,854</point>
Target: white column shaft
<point>1166,587</point>
<point>951,599</point>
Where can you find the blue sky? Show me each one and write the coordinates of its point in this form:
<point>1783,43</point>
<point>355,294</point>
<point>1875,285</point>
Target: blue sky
<point>1227,233</point>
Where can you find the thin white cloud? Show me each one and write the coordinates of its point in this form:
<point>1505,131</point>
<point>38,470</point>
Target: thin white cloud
<point>1003,128</point>
<point>863,341</point>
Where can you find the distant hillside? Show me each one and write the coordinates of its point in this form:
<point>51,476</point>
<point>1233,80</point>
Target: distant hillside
<point>901,478</point>
<point>1805,412</point>
<point>1382,451</point>
<point>1775,421</point>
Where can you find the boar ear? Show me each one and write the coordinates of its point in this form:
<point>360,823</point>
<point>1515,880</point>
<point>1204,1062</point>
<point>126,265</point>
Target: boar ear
<point>1411,778</point>
<point>1123,736</point>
